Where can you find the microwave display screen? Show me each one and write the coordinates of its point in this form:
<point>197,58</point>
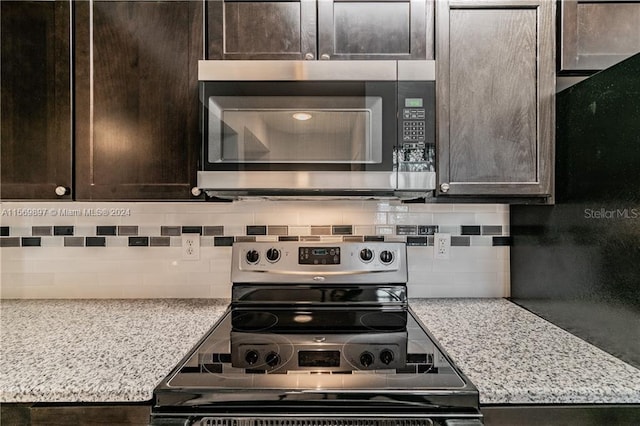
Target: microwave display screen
<point>413,103</point>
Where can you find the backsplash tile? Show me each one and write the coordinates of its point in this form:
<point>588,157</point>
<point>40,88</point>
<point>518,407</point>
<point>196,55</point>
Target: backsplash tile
<point>109,259</point>
<point>406,230</point>
<point>277,230</point>
<point>342,229</point>
<point>73,241</point>
<point>128,230</point>
<point>213,230</point>
<point>9,242</point>
<point>320,230</point>
<point>192,230</point>
<point>170,231</point>
<point>160,241</point>
<point>63,230</point>
<point>223,241</point>
<point>138,241</point>
<point>470,230</point>
<point>41,231</point>
<point>105,230</point>
<point>256,230</point>
<point>460,241</point>
<point>427,229</point>
<point>95,242</point>
<point>31,241</point>
<point>491,230</point>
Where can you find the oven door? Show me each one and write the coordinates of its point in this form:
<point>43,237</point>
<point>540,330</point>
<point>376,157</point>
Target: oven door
<point>299,135</point>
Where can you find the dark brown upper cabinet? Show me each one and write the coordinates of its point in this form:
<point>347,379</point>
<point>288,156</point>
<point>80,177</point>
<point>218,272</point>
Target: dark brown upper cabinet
<point>261,29</point>
<point>597,34</point>
<point>136,90</point>
<point>320,29</point>
<point>36,100</point>
<point>495,98</point>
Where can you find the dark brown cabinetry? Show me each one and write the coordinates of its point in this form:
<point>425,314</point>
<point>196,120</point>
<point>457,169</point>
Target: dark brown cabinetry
<point>496,81</point>
<point>320,29</point>
<point>36,100</point>
<point>261,29</point>
<point>131,414</point>
<point>597,34</point>
<point>136,91</point>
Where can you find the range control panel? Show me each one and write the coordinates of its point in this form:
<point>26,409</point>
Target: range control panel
<point>319,255</point>
<point>330,352</point>
<point>353,262</point>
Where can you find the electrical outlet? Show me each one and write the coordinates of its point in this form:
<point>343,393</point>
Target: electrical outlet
<point>190,246</point>
<point>441,246</point>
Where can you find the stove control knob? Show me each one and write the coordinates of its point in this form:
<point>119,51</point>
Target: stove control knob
<point>251,357</point>
<point>366,255</point>
<point>272,359</point>
<point>386,256</point>
<point>273,255</point>
<point>386,356</point>
<point>366,359</point>
<point>253,256</point>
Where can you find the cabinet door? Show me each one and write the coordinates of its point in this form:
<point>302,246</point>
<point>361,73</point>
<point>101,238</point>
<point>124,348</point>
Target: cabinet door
<point>36,99</point>
<point>375,29</point>
<point>137,102</point>
<point>597,34</point>
<point>241,29</point>
<point>496,82</point>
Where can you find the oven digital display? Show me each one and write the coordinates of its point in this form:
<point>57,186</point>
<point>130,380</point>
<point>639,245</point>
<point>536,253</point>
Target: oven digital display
<point>319,255</point>
<point>319,359</point>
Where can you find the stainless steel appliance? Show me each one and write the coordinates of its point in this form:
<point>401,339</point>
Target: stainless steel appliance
<point>317,128</point>
<point>317,334</point>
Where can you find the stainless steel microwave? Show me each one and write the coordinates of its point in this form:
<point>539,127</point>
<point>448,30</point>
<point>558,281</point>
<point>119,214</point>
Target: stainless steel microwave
<point>334,128</point>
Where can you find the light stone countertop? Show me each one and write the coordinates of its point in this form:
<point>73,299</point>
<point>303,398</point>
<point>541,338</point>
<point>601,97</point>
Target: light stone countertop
<point>515,357</point>
<point>119,350</point>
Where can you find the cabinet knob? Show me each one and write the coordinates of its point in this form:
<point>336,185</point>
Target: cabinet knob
<point>444,187</point>
<point>309,56</point>
<point>195,191</point>
<point>325,56</point>
<point>61,190</point>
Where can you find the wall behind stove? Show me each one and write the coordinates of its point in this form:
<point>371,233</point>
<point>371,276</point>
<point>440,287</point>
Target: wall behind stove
<point>132,250</point>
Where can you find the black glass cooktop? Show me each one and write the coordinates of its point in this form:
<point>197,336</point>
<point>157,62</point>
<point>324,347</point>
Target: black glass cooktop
<point>305,349</point>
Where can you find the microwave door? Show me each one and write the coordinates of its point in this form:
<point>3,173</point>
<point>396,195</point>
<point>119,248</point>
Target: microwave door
<point>295,130</point>
<point>312,136</point>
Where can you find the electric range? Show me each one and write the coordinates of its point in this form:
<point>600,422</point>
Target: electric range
<point>317,334</point>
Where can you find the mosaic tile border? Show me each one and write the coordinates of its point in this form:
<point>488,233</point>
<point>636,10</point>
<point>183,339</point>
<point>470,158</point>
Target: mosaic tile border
<point>128,235</point>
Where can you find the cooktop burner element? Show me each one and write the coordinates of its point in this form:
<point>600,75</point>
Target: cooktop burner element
<point>317,331</point>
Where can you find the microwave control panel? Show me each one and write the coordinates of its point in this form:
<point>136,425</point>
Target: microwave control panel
<point>416,126</point>
<point>413,122</point>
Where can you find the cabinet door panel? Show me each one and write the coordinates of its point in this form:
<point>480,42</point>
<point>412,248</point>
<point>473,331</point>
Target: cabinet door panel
<point>597,34</point>
<point>493,96</point>
<point>354,23</point>
<point>495,131</point>
<point>261,29</point>
<point>371,29</point>
<point>36,99</point>
<point>137,121</point>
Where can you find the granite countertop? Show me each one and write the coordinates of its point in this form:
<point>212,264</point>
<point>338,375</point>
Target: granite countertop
<point>516,357</point>
<point>119,350</point>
